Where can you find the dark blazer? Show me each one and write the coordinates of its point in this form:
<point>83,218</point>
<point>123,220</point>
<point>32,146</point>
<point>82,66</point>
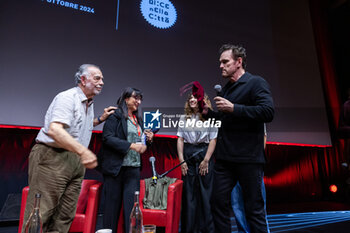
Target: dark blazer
<point>241,136</point>
<point>114,144</point>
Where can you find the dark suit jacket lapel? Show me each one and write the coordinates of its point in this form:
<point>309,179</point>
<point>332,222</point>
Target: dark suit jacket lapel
<point>124,123</point>
<point>125,126</point>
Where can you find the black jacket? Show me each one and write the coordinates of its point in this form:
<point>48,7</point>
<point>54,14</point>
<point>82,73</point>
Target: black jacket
<point>114,144</point>
<point>241,136</point>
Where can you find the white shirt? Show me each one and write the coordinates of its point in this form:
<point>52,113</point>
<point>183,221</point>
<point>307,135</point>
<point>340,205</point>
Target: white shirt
<point>195,135</point>
<point>69,108</point>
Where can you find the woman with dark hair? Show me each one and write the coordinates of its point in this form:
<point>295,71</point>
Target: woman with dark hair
<point>119,158</point>
<point>197,172</point>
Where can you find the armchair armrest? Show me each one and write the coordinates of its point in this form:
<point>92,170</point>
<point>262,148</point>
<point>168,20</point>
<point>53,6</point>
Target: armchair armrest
<point>92,207</point>
<point>174,204</point>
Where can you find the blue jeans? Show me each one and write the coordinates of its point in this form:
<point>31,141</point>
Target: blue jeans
<point>238,207</point>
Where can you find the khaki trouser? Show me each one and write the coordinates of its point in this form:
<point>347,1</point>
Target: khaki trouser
<point>57,175</point>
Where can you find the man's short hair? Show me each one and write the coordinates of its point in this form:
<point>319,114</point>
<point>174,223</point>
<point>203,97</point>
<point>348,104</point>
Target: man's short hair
<point>237,51</point>
<point>83,71</point>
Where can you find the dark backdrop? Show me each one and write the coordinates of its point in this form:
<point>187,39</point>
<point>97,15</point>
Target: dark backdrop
<point>43,43</point>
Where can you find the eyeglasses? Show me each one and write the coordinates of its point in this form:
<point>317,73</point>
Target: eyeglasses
<point>137,97</point>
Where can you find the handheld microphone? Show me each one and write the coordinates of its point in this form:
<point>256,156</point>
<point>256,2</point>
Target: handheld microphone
<point>154,173</point>
<point>218,89</point>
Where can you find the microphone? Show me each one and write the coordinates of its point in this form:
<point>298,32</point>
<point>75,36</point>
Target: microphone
<point>218,89</point>
<point>154,173</point>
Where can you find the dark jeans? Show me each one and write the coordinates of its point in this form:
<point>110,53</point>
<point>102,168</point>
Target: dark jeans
<point>226,175</point>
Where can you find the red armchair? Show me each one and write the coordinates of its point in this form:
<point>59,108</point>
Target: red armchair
<point>85,217</point>
<point>169,218</point>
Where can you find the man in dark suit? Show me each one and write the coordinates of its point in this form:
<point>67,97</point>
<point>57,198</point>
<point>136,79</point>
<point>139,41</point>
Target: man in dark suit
<point>244,105</point>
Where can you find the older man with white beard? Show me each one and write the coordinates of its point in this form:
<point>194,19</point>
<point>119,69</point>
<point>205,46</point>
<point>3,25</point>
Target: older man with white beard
<point>57,162</point>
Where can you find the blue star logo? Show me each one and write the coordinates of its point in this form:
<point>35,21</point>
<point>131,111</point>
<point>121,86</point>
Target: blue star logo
<point>152,120</point>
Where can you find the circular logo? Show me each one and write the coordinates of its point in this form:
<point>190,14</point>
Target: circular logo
<point>159,13</point>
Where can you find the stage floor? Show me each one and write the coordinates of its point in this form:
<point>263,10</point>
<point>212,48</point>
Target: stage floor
<point>320,217</point>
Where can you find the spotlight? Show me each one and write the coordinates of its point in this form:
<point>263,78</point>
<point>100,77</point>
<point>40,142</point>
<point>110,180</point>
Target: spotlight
<point>333,188</point>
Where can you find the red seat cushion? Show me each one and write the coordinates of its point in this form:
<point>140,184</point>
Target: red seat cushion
<point>152,216</point>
